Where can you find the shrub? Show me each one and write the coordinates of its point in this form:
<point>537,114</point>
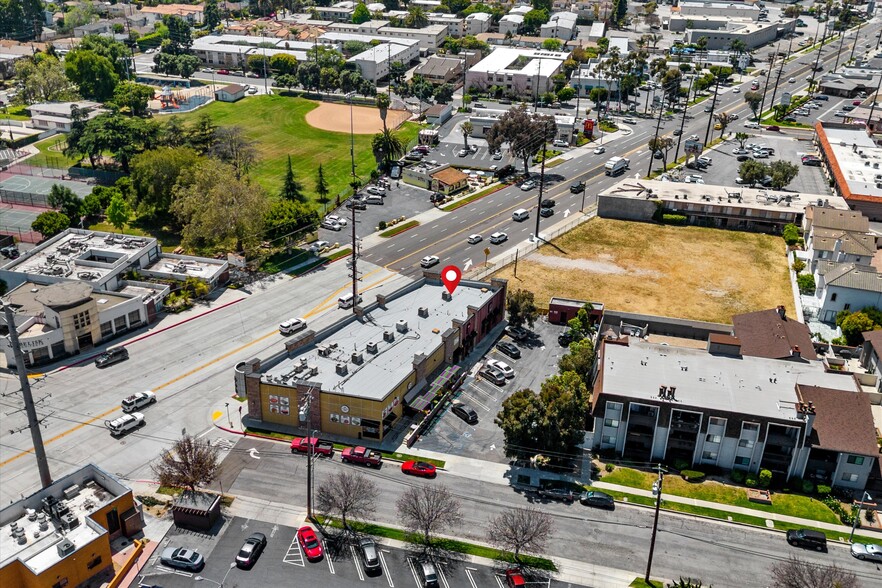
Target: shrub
<point>681,464</point>
<point>823,490</point>
<point>798,265</point>
<point>765,478</point>
<point>808,486</point>
<point>382,225</point>
<point>737,476</point>
<point>790,234</point>
<point>674,219</point>
<point>751,481</point>
<point>609,467</point>
<point>806,283</point>
<point>152,40</point>
<point>870,515</point>
<point>692,475</point>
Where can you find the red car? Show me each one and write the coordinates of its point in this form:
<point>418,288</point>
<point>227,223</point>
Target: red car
<point>775,128</point>
<point>223,72</point>
<point>419,468</point>
<point>310,543</point>
<point>514,578</point>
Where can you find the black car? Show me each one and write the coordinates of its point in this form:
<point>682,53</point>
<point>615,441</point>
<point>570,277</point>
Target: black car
<point>112,356</point>
<point>546,212</point>
<point>565,338</point>
<point>356,204</point>
<point>577,188</point>
<point>562,494</point>
<point>10,252</point>
<point>251,550</point>
<point>743,157</point>
<point>510,349</point>
<point>808,539</point>
<point>464,412</point>
<point>493,375</point>
<point>597,499</point>
<point>437,197</point>
<point>547,203</point>
<point>677,132</point>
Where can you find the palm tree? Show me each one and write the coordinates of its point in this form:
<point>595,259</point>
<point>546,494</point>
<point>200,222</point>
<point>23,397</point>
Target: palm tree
<point>466,129</point>
<point>386,147</point>
<point>383,102</point>
<point>416,18</point>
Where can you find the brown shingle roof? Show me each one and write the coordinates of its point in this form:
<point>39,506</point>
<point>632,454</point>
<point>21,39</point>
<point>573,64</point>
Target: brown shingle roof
<point>765,334</point>
<point>843,420</point>
<point>450,176</point>
<point>232,88</point>
<point>874,338</point>
<point>723,339</point>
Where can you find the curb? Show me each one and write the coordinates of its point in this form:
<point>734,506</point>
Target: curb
<point>147,335</point>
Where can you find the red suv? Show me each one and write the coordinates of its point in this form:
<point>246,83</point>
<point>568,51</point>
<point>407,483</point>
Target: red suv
<point>223,72</point>
<point>514,578</point>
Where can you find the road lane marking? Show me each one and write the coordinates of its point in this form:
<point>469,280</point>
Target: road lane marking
<point>468,572</point>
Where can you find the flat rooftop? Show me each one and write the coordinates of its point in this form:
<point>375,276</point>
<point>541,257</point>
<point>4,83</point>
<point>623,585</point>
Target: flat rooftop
<point>858,157</point>
<point>697,194</point>
<point>745,385</point>
<point>26,297</point>
<point>393,361</point>
<point>535,61</point>
<point>81,255</point>
<point>199,267</point>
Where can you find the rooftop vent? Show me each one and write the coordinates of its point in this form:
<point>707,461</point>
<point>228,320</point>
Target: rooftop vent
<point>313,371</point>
<point>342,369</point>
<point>71,491</point>
<point>401,326</point>
<point>388,336</point>
<point>423,312</point>
<point>371,347</point>
<point>436,330</point>
<point>324,351</point>
<point>65,547</point>
<point>357,358</point>
<point>445,295</point>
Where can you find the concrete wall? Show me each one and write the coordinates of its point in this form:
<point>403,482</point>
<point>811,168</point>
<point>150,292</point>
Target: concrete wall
<point>625,208</point>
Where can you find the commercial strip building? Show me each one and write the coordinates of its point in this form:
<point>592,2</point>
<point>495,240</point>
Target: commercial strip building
<point>61,535</point>
<point>355,378</point>
<point>81,287</point>
<point>484,119</point>
<point>854,165</point>
<point>705,205</point>
<point>720,31</point>
<point>723,407</point>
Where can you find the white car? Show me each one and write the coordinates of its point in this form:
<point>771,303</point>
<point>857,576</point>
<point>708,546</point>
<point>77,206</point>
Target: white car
<point>337,219</point>
<point>599,150</point>
<point>752,125</point>
<point>252,90</point>
<point>736,90</point>
<point>739,151</point>
<point>630,121</point>
<point>462,152</point>
<point>693,180</point>
<point>319,246</point>
<point>502,367</point>
<point>497,238</point>
<point>475,239</point>
<point>137,400</point>
<point>791,81</point>
<point>693,138</point>
<point>528,185</point>
<point>429,261</point>
<point>497,156</point>
<point>331,225</point>
<point>291,326</point>
<point>376,190</point>
<point>560,143</point>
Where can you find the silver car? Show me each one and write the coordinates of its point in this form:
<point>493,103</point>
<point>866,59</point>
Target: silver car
<point>863,551</point>
<point>182,559</point>
<point>370,557</point>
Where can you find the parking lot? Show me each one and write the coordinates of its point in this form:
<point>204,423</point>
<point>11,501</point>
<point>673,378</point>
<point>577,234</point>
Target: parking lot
<point>484,440</point>
<point>724,169</point>
<point>283,563</point>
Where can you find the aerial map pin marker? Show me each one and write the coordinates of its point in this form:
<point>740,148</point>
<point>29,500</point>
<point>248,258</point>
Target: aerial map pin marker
<point>451,275</point>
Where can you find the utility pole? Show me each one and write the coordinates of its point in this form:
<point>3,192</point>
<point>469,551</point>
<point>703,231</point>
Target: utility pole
<point>309,455</point>
<point>354,191</point>
<point>875,98</point>
<point>30,409</point>
<point>661,110</point>
<point>541,176</point>
<point>657,490</point>
<point>823,40</point>
<point>766,87</point>
<point>710,118</point>
<point>856,37</point>
<point>778,79</point>
<point>683,120</point>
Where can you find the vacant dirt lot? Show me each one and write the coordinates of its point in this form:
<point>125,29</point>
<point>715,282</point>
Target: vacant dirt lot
<point>685,272</point>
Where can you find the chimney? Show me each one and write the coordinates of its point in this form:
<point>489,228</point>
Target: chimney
<point>671,391</point>
<point>662,391</point>
<point>782,312</point>
<point>794,352</point>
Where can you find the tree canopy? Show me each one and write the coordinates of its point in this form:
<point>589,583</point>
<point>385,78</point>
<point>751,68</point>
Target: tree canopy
<point>524,132</point>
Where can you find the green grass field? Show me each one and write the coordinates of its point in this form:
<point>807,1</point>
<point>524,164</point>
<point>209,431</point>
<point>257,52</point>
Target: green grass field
<point>50,154</point>
<point>278,125</point>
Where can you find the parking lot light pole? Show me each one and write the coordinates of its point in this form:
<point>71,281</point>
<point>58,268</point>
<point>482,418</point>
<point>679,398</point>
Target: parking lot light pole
<point>221,583</point>
<point>866,497</point>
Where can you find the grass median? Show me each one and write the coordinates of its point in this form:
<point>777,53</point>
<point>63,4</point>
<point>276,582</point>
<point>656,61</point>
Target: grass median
<point>400,228</point>
<point>471,198</point>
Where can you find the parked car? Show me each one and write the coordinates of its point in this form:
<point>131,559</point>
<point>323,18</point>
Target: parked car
<point>743,157</point>
<point>10,252</point>
<point>473,148</point>
<point>497,156</point>
<point>336,219</point>
<point>310,543</point>
<point>562,494</point>
<point>465,412</point>
<point>251,550</point>
<point>807,538</point>
<point>370,556</point>
<point>560,143</point>
<point>375,190</point>
<point>492,375</point>
<point>429,261</point>
<point>331,225</point>
<point>419,468</point>
<point>774,128</point>
<point>868,552</point>
<point>514,578</point>
<point>509,349</point>
<point>517,333</point>
<point>565,338</point>
<point>357,204</point>
<point>462,152</point>
<point>476,238</point>
<point>182,559</point>
<point>597,499</point>
<point>497,238</point>
<point>112,356</point>
<point>502,367</point>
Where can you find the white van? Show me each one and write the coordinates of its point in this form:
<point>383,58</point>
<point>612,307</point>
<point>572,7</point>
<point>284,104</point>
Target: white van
<point>345,301</point>
<point>521,214</point>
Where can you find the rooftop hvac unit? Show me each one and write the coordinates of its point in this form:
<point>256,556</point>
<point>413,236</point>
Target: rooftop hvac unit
<point>342,369</point>
<point>388,336</point>
<point>445,295</point>
<point>71,491</point>
<point>357,358</point>
<point>332,345</point>
<point>303,362</point>
<point>69,521</point>
<point>324,351</point>
<point>401,326</point>
<point>65,547</point>
<point>313,371</point>
<point>371,347</point>
<point>423,312</point>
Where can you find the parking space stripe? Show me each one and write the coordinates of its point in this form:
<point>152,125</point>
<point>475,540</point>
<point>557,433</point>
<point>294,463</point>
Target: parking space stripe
<point>481,391</point>
<point>468,572</point>
<point>357,563</point>
<point>442,576</point>
<point>482,405</point>
<point>499,581</point>
<point>328,557</point>
<point>294,555</point>
<point>386,568</point>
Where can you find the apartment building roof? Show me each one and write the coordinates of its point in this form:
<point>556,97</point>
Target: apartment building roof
<point>843,420</point>
<point>770,334</point>
<point>848,242</point>
<point>834,218</point>
<point>856,276</point>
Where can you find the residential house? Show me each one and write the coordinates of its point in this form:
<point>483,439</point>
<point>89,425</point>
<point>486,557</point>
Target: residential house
<point>191,13</point>
<point>510,24</point>
<point>519,72</point>
<point>845,286</point>
<point>57,115</point>
<point>871,360</point>
<point>561,25</point>
<point>440,70</point>
<point>477,23</point>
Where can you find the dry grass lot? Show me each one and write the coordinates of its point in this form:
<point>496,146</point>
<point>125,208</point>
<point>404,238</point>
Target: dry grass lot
<point>685,272</point>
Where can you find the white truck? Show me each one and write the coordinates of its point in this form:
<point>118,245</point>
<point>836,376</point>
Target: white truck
<point>136,401</point>
<point>617,165</point>
<point>125,423</point>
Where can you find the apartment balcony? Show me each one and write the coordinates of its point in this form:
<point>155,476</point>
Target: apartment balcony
<point>680,425</point>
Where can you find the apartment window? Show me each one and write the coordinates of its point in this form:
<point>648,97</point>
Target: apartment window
<point>742,461</point>
<point>82,320</point>
<point>106,329</point>
<point>610,423</point>
<point>746,443</point>
<point>713,438</point>
<point>709,455</point>
<point>846,307</point>
<point>614,406</point>
<point>609,439</point>
<point>855,459</point>
<point>119,323</point>
<point>717,422</point>
<point>849,477</point>
<point>751,427</point>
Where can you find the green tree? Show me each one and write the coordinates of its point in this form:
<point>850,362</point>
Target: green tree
<point>123,136</point>
<point>133,97</point>
<point>397,71</point>
<point>620,11</point>
<point>853,325</point>
<point>42,79</point>
<point>753,172</point>
<point>521,308</point>
<point>387,146</point>
<point>806,283</point>
<point>103,195</point>
<point>174,133</point>
<point>598,94</point>
<point>19,18</point>
<point>114,51</point>
<point>753,100</point>
<point>233,146</point>
<point>91,206</point>
<point>782,172</point>
<point>552,44</point>
<point>579,360</point>
<point>201,136</point>
<point>566,94</point>
<point>257,63</point>
<point>519,419</point>
<point>416,18</point>
<point>741,138</point>
<point>155,173</point>
<point>286,81</point>
<point>361,14</point>
<point>524,132</point>
<point>63,199</point>
<point>283,63</point>
<point>119,212</point>
<point>466,127</point>
<point>443,93</point>
<point>308,74</point>
<point>285,217</point>
<point>211,15</point>
<point>292,189</point>
<point>321,186</point>
<point>50,223</point>
<point>179,38</point>
<point>533,21</point>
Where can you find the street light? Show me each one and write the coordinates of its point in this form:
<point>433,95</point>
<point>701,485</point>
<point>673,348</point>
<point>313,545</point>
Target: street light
<point>866,497</point>
<point>221,583</point>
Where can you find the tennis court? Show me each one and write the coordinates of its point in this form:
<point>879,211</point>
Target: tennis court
<point>16,221</point>
<point>23,198</point>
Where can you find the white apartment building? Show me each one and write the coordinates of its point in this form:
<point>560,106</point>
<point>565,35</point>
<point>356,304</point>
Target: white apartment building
<point>561,25</point>
<point>522,72</point>
<point>477,23</point>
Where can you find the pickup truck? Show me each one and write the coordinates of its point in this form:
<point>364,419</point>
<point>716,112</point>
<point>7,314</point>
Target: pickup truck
<point>319,447</point>
<point>362,455</point>
<point>125,423</point>
<point>136,401</point>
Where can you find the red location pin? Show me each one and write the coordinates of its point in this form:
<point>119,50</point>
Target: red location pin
<point>451,276</point>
